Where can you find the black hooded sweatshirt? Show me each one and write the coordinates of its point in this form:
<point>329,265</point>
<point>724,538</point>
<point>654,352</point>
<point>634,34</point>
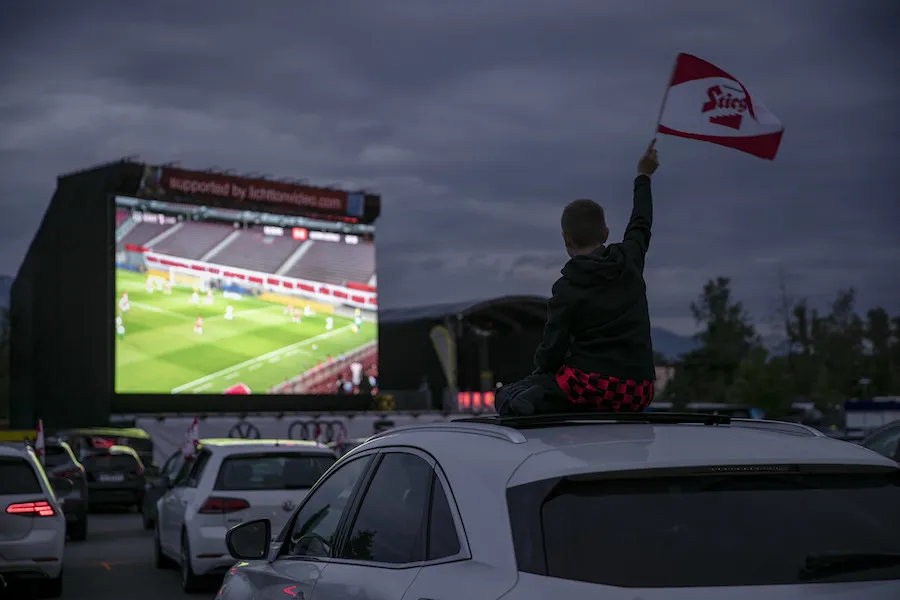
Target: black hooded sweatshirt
<point>598,320</point>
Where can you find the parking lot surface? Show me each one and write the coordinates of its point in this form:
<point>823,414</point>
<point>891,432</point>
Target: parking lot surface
<point>116,561</point>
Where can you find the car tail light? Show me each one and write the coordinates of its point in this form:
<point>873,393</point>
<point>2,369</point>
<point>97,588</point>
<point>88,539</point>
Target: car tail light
<point>31,509</point>
<point>139,471</point>
<point>221,506</point>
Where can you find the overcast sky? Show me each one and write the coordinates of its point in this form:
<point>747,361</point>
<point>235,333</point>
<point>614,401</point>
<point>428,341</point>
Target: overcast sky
<point>478,120</point>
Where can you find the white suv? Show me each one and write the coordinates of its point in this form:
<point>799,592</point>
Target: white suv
<point>598,506</point>
<point>32,523</point>
<point>230,481</point>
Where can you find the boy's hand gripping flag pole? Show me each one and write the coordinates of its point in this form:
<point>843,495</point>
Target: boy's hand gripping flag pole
<point>703,102</point>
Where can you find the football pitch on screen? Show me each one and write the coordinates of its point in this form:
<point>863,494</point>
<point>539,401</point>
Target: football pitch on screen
<point>261,347</point>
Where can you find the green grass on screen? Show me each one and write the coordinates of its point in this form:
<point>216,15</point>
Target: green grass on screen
<point>260,347</point>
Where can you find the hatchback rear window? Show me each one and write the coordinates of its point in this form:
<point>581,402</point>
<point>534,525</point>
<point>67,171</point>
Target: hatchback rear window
<point>17,476</point>
<point>110,462</point>
<point>695,531</point>
<point>274,471</point>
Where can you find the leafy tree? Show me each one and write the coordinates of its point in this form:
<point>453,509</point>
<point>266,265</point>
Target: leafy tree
<point>4,363</point>
<point>659,359</point>
<point>877,361</point>
<point>763,382</point>
<point>726,338</point>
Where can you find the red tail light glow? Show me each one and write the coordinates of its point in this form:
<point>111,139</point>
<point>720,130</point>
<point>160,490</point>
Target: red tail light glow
<point>221,506</point>
<point>31,509</point>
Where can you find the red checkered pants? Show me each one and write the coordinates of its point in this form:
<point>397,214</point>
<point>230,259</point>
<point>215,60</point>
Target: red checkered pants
<point>601,393</point>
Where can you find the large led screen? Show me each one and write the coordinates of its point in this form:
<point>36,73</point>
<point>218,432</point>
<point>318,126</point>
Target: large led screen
<point>220,301</point>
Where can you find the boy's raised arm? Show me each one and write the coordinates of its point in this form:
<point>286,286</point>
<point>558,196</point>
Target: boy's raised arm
<point>549,356</point>
<point>637,234</point>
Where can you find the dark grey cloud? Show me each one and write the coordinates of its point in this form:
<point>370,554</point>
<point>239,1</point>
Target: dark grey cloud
<point>478,121</point>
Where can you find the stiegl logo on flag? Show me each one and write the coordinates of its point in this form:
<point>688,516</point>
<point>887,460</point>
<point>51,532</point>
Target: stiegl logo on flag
<point>705,103</point>
<point>727,105</point>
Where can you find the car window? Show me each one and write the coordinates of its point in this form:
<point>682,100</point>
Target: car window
<point>391,524</point>
<point>314,528</point>
<point>18,477</point>
<point>886,443</point>
<point>197,466</point>
<point>272,471</point>
<point>190,471</point>
<point>704,530</point>
<point>443,540</point>
<point>55,456</point>
<point>173,466</point>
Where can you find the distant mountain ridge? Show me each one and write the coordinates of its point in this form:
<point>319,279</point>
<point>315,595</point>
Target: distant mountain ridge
<point>670,344</point>
<point>5,289</point>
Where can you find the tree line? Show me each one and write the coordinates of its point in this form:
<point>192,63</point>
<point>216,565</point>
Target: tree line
<point>823,357</point>
<point>4,363</point>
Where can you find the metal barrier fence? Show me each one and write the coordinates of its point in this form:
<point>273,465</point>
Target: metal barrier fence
<point>168,432</point>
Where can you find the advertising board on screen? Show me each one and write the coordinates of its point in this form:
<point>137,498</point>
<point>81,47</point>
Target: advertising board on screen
<point>213,299</point>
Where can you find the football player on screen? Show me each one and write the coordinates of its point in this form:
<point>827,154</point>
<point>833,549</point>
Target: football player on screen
<point>167,288</point>
<point>208,299</point>
<point>307,311</point>
<point>124,306</point>
<point>198,325</point>
<point>229,313</point>
<point>149,285</point>
<point>195,298</point>
<point>329,323</point>
<point>120,328</point>
<point>295,316</point>
<point>289,310</point>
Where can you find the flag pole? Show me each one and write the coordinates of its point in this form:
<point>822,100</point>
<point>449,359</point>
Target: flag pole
<point>662,105</point>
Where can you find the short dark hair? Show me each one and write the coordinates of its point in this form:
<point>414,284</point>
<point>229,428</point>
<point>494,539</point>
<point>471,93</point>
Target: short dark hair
<point>584,223</point>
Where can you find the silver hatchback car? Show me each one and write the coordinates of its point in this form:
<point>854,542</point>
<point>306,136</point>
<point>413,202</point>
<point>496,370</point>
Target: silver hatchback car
<point>618,507</point>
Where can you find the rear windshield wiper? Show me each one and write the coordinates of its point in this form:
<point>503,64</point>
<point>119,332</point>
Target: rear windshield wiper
<point>826,564</point>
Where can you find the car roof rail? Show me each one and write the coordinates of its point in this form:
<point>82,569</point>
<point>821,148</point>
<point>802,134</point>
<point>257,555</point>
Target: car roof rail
<point>453,426</point>
<point>781,426</point>
<point>564,419</point>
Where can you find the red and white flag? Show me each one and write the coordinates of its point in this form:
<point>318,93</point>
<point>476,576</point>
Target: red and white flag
<point>705,103</point>
<point>40,446</point>
<point>191,440</point>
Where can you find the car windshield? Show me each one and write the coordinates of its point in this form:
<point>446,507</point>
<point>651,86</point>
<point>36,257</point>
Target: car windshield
<point>710,530</point>
<point>274,471</point>
<point>17,477</point>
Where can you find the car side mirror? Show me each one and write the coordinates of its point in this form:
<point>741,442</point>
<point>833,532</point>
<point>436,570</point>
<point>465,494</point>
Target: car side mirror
<point>250,540</point>
<point>61,486</point>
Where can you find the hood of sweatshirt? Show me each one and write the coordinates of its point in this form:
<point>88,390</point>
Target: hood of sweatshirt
<point>603,264</point>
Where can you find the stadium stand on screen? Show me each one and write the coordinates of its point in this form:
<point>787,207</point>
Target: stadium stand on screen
<point>212,300</point>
